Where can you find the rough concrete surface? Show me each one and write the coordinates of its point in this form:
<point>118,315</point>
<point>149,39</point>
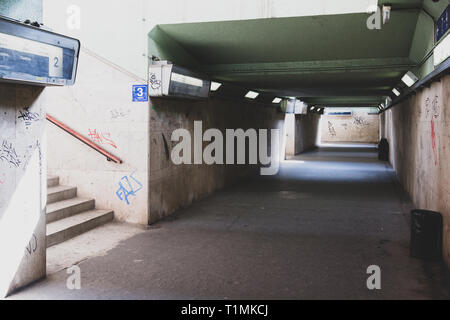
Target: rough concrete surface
<point>22,185</point>
<point>96,242</point>
<point>418,133</point>
<point>301,132</point>
<point>359,127</point>
<point>174,186</point>
<point>309,233</point>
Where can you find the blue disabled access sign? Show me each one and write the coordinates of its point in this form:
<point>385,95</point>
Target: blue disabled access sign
<point>140,93</point>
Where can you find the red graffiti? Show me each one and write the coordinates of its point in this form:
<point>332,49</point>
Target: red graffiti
<point>2,180</point>
<point>433,143</point>
<point>101,137</point>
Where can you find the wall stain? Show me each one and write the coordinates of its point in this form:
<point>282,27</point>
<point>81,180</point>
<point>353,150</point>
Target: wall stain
<point>433,143</point>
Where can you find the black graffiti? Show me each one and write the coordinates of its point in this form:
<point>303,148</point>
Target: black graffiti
<point>154,82</point>
<point>32,245</point>
<point>432,107</point>
<point>8,154</point>
<point>359,121</point>
<point>119,113</point>
<point>29,117</point>
<point>435,106</point>
<point>331,129</point>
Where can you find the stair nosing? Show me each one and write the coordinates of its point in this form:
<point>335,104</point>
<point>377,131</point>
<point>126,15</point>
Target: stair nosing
<point>81,200</point>
<point>99,213</point>
<point>70,232</point>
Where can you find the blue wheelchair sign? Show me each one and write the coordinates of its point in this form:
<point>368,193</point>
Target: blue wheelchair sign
<point>140,93</point>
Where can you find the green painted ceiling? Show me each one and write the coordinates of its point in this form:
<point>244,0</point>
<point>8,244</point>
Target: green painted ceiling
<point>325,60</point>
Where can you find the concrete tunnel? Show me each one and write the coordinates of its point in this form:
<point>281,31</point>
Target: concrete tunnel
<point>221,150</point>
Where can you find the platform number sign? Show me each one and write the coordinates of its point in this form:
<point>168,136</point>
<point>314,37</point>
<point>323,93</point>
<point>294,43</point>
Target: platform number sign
<point>140,93</point>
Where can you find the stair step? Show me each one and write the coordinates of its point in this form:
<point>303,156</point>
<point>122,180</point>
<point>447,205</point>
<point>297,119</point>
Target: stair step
<point>70,227</point>
<point>66,208</point>
<point>52,181</point>
<point>59,193</point>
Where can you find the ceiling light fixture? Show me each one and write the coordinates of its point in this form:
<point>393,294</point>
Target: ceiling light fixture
<point>277,100</point>
<point>252,95</point>
<point>409,79</point>
<point>396,92</point>
<point>215,86</point>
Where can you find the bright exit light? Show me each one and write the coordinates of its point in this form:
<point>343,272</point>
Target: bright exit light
<point>396,92</point>
<point>409,79</point>
<point>252,95</point>
<point>187,80</point>
<point>277,100</point>
<point>215,86</point>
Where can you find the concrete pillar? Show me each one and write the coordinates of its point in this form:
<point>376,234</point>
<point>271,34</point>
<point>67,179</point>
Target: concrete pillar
<point>22,186</point>
<point>301,132</point>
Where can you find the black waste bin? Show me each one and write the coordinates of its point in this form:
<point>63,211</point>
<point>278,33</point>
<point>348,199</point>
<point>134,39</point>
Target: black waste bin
<point>426,235</point>
<point>383,150</point>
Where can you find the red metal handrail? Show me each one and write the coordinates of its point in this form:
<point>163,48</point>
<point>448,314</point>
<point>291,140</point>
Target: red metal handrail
<point>85,140</point>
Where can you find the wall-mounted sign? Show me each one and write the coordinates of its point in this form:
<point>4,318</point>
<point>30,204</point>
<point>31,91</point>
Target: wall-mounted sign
<point>168,80</point>
<point>140,93</point>
<point>341,113</point>
<point>442,24</point>
<point>35,56</point>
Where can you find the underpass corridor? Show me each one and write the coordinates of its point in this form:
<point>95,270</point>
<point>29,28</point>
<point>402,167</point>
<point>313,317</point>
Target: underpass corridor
<point>260,149</point>
<point>310,232</point>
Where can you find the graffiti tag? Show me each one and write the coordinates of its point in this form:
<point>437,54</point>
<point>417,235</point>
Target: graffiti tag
<point>8,154</point>
<point>128,186</point>
<point>101,138</point>
<point>28,117</point>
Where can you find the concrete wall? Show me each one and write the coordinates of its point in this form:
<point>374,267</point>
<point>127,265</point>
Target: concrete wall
<point>360,127</point>
<point>174,186</point>
<point>418,133</point>
<point>301,132</point>
<point>99,106</point>
<point>22,171</point>
<point>22,186</point>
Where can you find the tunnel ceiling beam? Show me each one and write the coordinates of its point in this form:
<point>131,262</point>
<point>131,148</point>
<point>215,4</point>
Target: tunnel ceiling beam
<point>310,67</point>
<point>329,56</point>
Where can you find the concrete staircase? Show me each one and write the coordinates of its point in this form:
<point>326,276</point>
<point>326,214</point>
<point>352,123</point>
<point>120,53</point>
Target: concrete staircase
<point>68,215</point>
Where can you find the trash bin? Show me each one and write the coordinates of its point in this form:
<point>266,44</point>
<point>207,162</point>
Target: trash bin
<point>426,234</point>
<point>383,150</point>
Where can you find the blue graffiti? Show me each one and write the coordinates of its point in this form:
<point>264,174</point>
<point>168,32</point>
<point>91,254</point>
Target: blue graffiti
<point>128,186</point>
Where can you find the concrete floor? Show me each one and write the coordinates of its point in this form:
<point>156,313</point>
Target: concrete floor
<point>309,233</point>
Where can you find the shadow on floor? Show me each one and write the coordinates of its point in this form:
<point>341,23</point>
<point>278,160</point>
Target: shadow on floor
<point>310,232</point>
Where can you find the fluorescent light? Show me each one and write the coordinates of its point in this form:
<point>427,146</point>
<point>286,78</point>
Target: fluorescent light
<point>277,100</point>
<point>252,95</point>
<point>186,80</point>
<point>396,92</point>
<point>409,79</point>
<point>215,86</point>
